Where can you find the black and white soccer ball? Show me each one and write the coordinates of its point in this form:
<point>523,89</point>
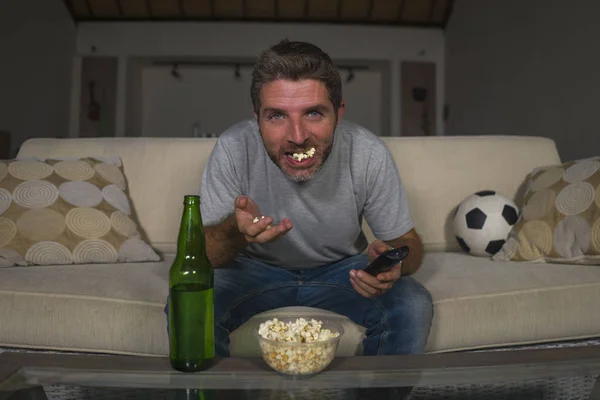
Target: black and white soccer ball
<point>483,221</point>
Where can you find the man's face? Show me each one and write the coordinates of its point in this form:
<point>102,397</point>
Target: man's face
<point>295,117</point>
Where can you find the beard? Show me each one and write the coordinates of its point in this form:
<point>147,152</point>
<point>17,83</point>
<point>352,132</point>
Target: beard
<point>299,173</point>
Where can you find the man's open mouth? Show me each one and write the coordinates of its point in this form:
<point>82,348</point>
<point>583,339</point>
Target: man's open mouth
<point>302,155</point>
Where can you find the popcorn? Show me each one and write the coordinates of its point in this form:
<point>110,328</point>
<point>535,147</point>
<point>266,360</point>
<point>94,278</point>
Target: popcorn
<point>302,331</point>
<point>297,348</point>
<point>256,219</point>
<point>302,156</point>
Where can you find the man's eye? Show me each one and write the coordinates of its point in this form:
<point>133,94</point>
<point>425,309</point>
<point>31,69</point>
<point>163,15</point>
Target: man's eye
<point>314,114</point>
<point>276,116</point>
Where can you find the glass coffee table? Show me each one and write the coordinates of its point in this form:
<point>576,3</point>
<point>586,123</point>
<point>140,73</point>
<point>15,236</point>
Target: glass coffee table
<point>35,375</point>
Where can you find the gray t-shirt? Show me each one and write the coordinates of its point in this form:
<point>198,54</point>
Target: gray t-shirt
<point>358,179</point>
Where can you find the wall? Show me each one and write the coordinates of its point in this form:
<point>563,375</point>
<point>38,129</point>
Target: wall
<point>212,97</point>
<point>131,42</point>
<point>526,68</point>
<point>36,51</point>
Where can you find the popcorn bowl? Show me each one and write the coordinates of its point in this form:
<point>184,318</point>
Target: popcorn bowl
<point>294,348</point>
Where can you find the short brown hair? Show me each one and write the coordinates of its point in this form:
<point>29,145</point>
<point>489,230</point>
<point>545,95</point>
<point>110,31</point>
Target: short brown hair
<point>294,60</point>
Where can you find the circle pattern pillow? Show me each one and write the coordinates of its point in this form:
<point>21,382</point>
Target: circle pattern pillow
<point>73,211</point>
<point>560,219</point>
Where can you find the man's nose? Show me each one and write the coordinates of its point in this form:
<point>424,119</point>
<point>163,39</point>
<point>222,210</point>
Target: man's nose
<point>297,133</point>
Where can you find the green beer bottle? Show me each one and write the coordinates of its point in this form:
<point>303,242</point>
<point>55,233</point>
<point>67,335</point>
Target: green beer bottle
<point>191,301</point>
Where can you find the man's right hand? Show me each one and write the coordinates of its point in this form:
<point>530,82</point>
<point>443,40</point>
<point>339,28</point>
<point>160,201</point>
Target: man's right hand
<point>257,232</point>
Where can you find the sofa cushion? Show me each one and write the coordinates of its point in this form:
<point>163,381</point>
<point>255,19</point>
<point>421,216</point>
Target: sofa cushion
<point>160,171</point>
<point>482,303</point>
<point>560,219</point>
<point>67,211</point>
<point>478,303</point>
<point>111,308</point>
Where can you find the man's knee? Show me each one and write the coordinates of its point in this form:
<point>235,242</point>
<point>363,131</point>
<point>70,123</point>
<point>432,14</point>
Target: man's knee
<point>414,300</point>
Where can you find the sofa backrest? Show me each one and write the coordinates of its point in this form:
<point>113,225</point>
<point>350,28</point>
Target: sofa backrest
<point>438,172</point>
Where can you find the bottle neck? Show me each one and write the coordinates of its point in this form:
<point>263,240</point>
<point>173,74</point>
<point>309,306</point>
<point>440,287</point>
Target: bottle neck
<point>191,243</point>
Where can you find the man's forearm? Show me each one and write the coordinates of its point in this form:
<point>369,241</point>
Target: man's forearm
<point>223,242</point>
<point>413,261</point>
<point>415,257</point>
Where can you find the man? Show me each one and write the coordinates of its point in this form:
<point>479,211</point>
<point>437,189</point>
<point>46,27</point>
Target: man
<point>282,198</point>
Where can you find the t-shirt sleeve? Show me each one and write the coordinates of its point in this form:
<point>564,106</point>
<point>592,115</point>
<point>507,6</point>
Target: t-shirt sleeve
<point>220,185</point>
<point>386,206</point>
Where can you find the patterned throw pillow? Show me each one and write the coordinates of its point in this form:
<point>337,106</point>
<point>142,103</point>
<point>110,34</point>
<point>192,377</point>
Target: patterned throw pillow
<point>68,211</point>
<point>560,219</point>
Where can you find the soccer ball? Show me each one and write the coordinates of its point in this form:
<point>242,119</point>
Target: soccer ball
<point>483,221</point>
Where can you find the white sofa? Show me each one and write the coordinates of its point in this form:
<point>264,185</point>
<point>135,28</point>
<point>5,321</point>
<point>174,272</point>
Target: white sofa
<point>479,303</point>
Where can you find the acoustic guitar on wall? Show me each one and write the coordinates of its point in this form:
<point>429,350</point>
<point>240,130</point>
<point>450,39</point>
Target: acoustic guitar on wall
<point>94,107</point>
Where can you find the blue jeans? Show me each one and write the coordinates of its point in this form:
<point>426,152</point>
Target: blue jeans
<point>396,322</point>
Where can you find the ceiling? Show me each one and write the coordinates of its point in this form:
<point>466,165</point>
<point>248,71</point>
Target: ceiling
<point>422,13</point>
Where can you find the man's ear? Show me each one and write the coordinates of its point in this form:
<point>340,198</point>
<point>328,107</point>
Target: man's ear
<point>341,110</point>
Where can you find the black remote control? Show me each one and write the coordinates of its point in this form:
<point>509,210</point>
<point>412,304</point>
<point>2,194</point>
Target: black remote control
<point>385,261</point>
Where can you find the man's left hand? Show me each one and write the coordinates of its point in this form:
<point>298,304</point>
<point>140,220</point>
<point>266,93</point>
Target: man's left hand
<point>370,286</point>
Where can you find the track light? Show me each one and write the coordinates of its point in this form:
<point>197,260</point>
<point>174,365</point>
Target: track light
<point>175,72</point>
<point>350,75</point>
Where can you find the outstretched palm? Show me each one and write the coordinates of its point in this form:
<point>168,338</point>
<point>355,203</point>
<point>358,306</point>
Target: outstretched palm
<point>257,232</point>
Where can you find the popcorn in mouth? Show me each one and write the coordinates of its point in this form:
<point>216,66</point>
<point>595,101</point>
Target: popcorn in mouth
<point>302,156</point>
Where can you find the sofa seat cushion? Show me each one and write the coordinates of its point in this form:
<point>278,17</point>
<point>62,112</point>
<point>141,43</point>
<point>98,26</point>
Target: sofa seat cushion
<point>110,308</point>
<point>480,303</point>
<point>118,308</point>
